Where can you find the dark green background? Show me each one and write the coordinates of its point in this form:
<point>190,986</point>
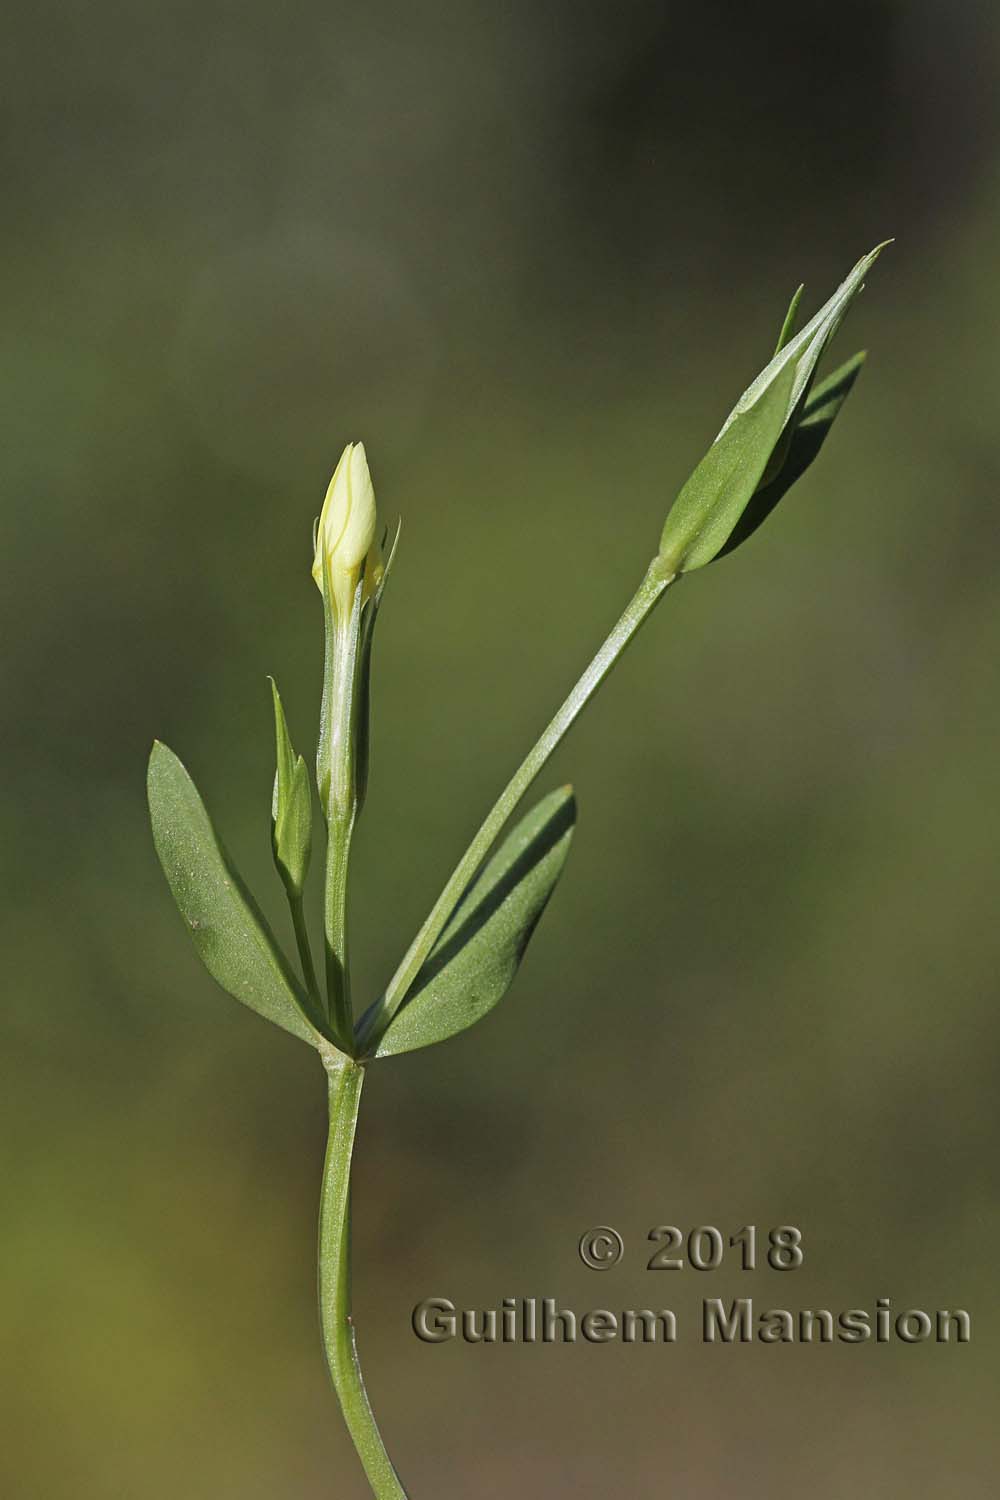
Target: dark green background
<point>531,254</point>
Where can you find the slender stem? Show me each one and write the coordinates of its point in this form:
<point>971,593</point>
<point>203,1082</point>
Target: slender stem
<point>338,852</point>
<point>650,590</point>
<point>302,943</point>
<point>337,777</point>
<point>345,1081</point>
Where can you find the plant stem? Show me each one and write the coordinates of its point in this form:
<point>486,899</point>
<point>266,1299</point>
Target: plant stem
<point>337,778</point>
<point>650,590</point>
<point>345,1081</point>
<point>302,943</point>
<point>338,850</point>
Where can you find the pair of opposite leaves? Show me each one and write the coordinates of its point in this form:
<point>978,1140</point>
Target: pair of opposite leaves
<point>771,437</point>
<point>466,973</point>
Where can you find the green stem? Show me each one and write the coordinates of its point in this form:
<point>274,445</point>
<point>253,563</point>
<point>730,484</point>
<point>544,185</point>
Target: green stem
<point>345,1082</point>
<point>650,590</point>
<point>338,853</point>
<point>302,943</point>
<point>337,778</point>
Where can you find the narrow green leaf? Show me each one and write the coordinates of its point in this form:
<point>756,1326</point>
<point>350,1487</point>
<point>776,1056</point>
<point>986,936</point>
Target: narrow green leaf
<point>230,933</point>
<point>818,416</point>
<point>473,962</point>
<point>291,806</point>
<point>284,754</point>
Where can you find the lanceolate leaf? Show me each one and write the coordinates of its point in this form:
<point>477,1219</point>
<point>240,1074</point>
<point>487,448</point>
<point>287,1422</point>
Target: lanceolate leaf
<point>819,414</point>
<point>291,806</point>
<point>476,957</point>
<point>231,935</point>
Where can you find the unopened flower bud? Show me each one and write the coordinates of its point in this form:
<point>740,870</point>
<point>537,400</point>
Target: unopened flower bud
<point>769,439</point>
<point>346,545</point>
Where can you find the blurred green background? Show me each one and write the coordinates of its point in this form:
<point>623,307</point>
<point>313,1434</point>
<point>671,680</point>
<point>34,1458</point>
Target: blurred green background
<point>531,254</point>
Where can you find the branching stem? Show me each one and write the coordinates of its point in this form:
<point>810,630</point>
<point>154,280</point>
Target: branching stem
<point>650,590</point>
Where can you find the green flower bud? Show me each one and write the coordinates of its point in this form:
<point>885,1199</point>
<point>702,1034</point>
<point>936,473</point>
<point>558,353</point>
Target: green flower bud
<point>768,440</point>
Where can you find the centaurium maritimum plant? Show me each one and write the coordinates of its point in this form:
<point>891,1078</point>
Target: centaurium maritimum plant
<point>465,955</point>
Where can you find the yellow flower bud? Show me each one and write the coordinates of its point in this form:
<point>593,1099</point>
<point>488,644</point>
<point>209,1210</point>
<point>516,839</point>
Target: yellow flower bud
<point>345,535</point>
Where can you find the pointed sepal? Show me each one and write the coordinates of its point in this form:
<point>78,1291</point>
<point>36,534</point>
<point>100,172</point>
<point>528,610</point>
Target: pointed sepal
<point>791,318</point>
<point>818,416</point>
<point>363,700</point>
